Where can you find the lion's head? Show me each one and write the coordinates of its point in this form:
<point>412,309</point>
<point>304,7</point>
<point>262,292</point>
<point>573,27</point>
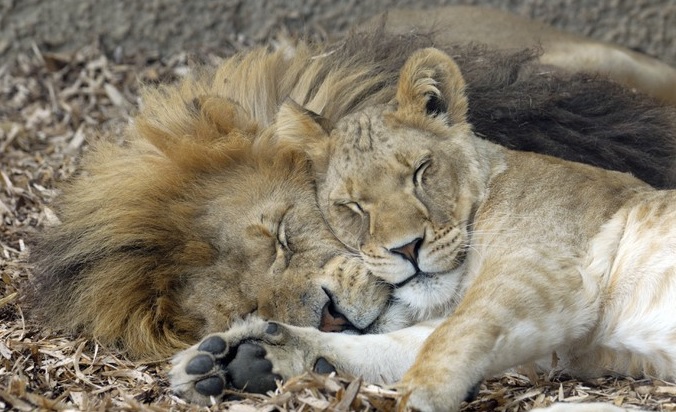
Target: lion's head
<point>193,223</point>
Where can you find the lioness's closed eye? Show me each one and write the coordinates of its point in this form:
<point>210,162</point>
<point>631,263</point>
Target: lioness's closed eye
<point>523,253</point>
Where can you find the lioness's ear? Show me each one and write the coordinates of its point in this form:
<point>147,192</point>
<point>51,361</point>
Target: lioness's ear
<point>430,85</point>
<point>305,130</point>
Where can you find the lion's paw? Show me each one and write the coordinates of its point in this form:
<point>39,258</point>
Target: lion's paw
<point>223,362</point>
<point>249,357</point>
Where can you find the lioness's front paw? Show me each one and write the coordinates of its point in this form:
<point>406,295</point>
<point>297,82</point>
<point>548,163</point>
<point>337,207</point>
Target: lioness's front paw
<point>437,392</point>
<point>234,360</point>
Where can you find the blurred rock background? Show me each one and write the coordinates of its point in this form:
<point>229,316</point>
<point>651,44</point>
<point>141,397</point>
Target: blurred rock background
<point>161,27</point>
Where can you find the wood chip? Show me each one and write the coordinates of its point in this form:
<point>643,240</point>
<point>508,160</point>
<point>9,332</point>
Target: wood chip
<point>8,299</point>
<point>115,96</point>
<point>666,390</point>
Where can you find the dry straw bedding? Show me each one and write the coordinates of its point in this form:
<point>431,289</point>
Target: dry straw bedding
<point>51,107</point>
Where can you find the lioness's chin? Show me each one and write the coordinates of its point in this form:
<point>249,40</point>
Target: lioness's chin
<point>429,295</point>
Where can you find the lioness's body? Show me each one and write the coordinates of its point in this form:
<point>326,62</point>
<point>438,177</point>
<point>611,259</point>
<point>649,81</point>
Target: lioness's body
<point>503,30</point>
<point>528,254</point>
<point>574,262</point>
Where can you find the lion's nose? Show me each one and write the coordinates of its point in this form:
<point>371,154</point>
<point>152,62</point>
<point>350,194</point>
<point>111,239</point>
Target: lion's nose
<point>409,251</point>
<point>334,321</point>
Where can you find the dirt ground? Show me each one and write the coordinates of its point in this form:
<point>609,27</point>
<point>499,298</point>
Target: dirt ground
<point>69,74</point>
<point>167,26</point>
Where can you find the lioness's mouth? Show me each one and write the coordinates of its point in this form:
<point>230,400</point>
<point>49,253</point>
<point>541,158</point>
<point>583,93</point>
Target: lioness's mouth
<point>409,279</point>
<point>458,260</point>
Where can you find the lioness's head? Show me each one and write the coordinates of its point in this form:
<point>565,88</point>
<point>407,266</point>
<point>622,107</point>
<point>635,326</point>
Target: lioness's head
<point>400,181</point>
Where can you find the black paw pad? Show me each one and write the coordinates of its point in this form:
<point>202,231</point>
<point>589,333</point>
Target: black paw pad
<point>272,328</point>
<point>323,366</point>
<point>211,386</point>
<point>212,344</point>
<point>199,365</point>
<point>250,371</point>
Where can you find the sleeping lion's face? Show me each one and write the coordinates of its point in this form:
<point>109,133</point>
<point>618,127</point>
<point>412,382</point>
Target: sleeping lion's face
<point>403,197</point>
<point>277,258</point>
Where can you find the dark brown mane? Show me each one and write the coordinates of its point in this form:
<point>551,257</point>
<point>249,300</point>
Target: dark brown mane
<point>582,117</point>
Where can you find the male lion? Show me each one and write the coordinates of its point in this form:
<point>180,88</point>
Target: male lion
<point>198,219</point>
<point>517,255</point>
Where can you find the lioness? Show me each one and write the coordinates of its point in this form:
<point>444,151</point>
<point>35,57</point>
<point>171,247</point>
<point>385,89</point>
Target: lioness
<point>518,255</point>
<point>589,253</point>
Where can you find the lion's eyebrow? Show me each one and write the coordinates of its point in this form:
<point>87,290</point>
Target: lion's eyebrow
<point>268,222</point>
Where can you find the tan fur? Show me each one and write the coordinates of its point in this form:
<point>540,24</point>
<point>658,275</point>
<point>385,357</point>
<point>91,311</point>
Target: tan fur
<point>526,254</point>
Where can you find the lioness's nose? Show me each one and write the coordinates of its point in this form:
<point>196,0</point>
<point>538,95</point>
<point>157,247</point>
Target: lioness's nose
<point>409,251</point>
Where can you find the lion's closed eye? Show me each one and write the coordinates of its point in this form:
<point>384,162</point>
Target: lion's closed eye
<point>283,243</point>
<point>355,207</point>
<point>281,238</point>
<point>273,232</point>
